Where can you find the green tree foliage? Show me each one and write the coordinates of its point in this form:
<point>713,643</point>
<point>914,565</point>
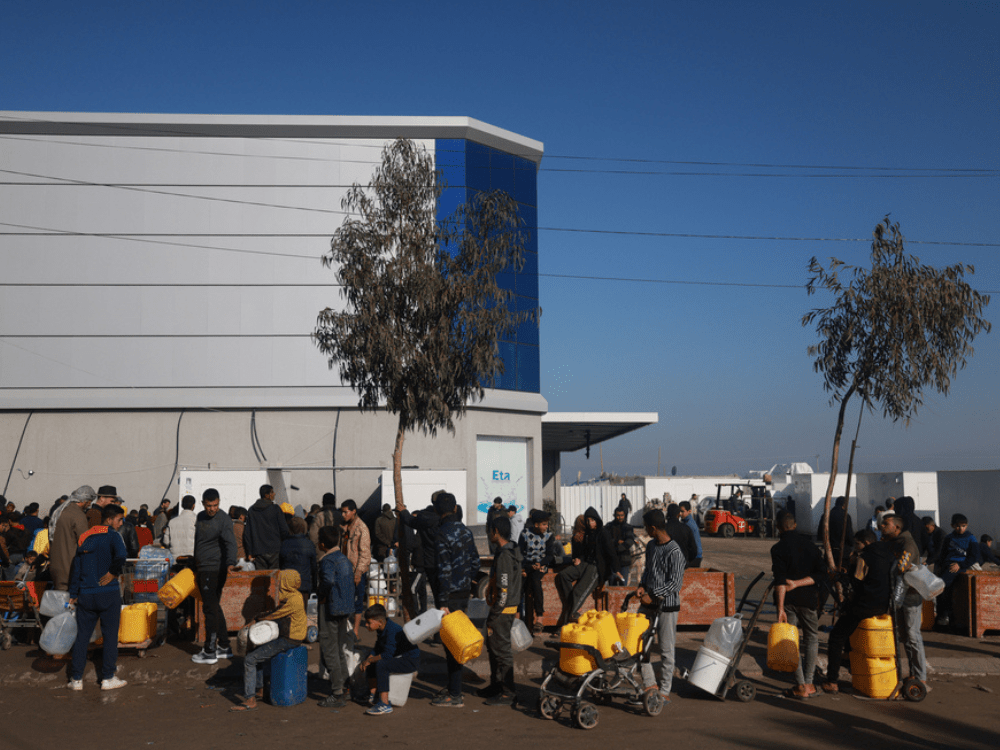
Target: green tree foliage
<point>419,336</point>
<point>893,329</point>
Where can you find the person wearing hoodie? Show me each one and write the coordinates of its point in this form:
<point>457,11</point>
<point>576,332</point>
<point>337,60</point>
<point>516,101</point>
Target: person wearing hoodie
<point>292,626</point>
<point>620,536</point>
<point>336,605</point>
<point>265,530</point>
<point>871,573</point>
<point>590,555</point>
<point>385,534</point>
<point>503,596</point>
<point>298,553</point>
<point>959,552</point>
<point>457,563</point>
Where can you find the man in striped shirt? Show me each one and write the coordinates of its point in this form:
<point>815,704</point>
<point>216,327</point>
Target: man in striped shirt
<point>660,592</point>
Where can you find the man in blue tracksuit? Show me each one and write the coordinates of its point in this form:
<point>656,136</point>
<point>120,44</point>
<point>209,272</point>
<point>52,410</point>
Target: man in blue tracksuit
<point>94,589</point>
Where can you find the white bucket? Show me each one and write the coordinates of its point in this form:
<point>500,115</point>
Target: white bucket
<point>924,581</point>
<point>399,688</point>
<point>708,671</point>
<point>423,626</point>
<point>263,632</point>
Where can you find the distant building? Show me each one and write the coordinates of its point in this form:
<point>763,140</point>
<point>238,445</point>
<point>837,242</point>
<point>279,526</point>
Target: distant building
<point>161,277</point>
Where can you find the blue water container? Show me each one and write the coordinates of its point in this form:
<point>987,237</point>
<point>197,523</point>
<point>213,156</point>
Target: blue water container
<point>288,677</point>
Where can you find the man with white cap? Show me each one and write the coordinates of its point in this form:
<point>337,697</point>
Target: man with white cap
<point>70,526</point>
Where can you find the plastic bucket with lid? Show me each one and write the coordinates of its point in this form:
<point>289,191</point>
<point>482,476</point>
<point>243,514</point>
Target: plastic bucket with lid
<point>708,671</point>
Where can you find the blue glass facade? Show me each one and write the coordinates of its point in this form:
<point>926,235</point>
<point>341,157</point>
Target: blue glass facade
<point>465,167</point>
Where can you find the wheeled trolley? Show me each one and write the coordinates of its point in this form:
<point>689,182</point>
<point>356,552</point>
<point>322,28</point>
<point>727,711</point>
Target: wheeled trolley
<point>617,677</point>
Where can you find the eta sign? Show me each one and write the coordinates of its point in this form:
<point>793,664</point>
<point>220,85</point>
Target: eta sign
<point>501,476</point>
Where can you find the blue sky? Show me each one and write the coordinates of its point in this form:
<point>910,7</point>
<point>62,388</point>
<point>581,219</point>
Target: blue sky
<point>759,99</point>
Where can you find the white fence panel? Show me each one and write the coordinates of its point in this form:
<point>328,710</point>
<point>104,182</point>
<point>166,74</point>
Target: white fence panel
<point>574,500</point>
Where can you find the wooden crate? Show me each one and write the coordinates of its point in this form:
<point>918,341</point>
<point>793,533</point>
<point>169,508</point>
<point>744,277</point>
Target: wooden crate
<point>976,602</point>
<point>706,595</point>
<point>245,595</point>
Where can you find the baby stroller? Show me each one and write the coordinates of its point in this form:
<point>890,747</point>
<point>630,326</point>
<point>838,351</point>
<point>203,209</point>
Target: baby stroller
<point>617,677</point>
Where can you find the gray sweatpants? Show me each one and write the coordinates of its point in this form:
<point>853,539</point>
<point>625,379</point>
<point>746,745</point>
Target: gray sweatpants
<point>666,635</point>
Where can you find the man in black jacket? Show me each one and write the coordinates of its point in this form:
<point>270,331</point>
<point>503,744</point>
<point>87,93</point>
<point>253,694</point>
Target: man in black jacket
<point>797,565</point>
<point>504,597</point>
<point>870,575</point>
<point>265,530</point>
<point>681,533</point>
<point>214,558</point>
<point>841,528</point>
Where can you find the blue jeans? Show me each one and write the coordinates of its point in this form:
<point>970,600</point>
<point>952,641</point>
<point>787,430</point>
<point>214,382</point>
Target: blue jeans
<point>105,606</point>
<point>253,663</point>
<point>361,595</point>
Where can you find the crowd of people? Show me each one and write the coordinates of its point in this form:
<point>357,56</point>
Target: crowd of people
<point>868,568</point>
<point>83,543</point>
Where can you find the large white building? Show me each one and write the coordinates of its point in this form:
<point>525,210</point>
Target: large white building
<point>160,279</point>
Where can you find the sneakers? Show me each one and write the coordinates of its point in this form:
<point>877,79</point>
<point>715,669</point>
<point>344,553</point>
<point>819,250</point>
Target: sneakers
<point>113,684</point>
<point>205,657</point>
<point>224,653</point>
<point>76,685</point>
<point>448,701</point>
<point>501,699</point>
<point>333,701</point>
<point>379,709</point>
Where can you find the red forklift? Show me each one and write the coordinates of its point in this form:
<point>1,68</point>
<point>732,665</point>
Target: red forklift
<point>744,508</point>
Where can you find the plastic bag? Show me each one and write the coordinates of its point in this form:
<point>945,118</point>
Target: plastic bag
<point>59,634</point>
<point>724,636</point>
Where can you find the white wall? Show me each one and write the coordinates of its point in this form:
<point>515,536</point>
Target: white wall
<point>810,497</point>
<point>874,489</point>
<point>418,486</point>
<point>976,495</point>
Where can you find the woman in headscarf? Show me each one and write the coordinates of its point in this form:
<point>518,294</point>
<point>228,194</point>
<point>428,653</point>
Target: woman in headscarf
<point>292,625</point>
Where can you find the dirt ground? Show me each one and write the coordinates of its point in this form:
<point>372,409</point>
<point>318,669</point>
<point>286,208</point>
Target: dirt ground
<point>173,703</point>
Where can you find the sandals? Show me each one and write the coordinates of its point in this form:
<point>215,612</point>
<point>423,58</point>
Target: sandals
<point>831,688</point>
<point>240,708</point>
<point>793,692</point>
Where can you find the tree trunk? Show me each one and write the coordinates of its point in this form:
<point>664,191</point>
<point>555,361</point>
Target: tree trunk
<point>850,472</point>
<point>404,557</point>
<point>827,550</point>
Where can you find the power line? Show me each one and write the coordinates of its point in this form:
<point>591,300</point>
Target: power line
<point>40,231</point>
<point>671,281</point>
<point>188,132</point>
<point>45,232</point>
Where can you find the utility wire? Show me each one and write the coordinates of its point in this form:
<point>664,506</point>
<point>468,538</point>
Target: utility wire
<point>187,131</point>
<point>43,231</point>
